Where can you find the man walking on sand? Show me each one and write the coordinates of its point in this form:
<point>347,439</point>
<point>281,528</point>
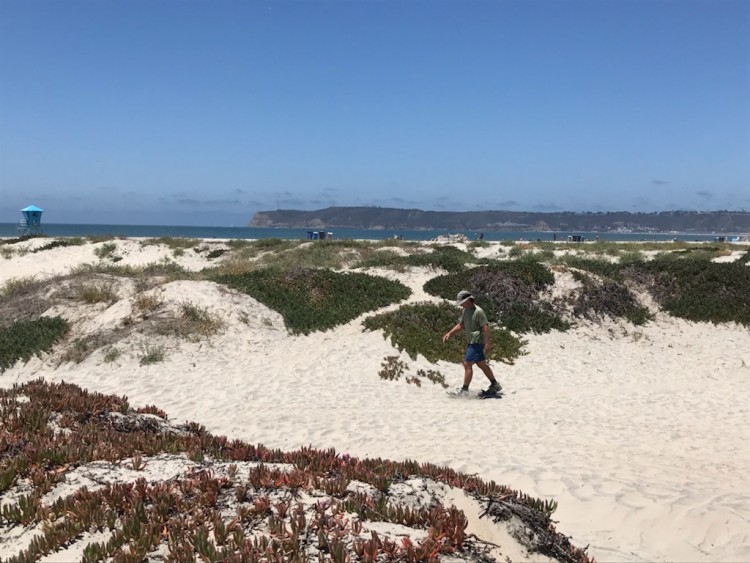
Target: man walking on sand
<point>474,323</point>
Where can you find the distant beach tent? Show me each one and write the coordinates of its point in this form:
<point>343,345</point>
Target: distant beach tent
<point>31,222</point>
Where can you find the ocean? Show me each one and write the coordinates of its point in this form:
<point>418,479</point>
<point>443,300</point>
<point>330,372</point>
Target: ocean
<point>156,231</point>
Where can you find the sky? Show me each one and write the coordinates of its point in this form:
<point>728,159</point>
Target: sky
<point>204,112</point>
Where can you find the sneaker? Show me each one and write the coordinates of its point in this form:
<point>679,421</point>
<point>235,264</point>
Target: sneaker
<point>460,392</point>
<point>493,389</point>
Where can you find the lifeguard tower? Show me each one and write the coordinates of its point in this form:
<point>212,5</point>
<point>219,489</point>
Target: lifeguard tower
<point>31,224</point>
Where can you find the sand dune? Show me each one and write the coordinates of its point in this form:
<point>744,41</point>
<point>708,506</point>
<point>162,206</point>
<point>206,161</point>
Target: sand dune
<point>639,433</point>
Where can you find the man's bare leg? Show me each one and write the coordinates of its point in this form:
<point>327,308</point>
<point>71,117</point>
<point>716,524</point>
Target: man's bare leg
<point>468,374</point>
<point>486,369</point>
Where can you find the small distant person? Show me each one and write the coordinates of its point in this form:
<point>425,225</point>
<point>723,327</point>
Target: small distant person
<point>554,237</point>
<point>481,236</point>
<point>477,329</point>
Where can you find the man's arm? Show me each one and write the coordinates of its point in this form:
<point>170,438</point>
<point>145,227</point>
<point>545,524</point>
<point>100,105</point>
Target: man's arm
<point>451,332</point>
<point>487,338</point>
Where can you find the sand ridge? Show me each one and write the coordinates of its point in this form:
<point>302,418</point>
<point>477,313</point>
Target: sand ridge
<point>639,433</point>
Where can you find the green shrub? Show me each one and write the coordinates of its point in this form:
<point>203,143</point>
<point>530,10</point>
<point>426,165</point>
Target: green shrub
<point>544,255</point>
<point>704,254</point>
<point>603,268</point>
<point>311,299</point>
<point>448,258</point>
<point>332,254</point>
<point>106,250</point>
<point>75,241</point>
<point>216,253</point>
<point>629,257</point>
<point>95,239</point>
<point>111,354</point>
<point>419,329</point>
<point>391,368</point>
<point>24,339</point>
<point>252,248</point>
<point>152,355</point>
<point>434,376</point>
<point>509,292</point>
<point>523,318</point>
<point>698,290</point>
<point>239,243</point>
<point>477,244</point>
<point>171,242</point>
<point>527,255</point>
<point>18,239</point>
<point>384,259</point>
<point>597,299</point>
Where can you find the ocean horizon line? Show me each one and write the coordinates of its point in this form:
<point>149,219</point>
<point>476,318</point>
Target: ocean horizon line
<point>10,230</point>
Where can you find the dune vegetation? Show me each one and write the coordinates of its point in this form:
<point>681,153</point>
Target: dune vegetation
<point>188,495</point>
<point>297,505</point>
<point>317,286</point>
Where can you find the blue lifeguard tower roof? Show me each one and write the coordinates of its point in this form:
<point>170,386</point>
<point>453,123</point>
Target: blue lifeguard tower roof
<point>31,223</point>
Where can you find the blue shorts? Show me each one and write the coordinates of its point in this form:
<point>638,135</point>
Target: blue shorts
<point>474,353</point>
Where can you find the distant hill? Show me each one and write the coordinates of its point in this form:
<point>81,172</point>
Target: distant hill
<point>416,219</point>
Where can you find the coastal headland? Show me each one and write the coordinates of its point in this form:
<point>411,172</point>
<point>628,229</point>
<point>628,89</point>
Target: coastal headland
<point>611,221</point>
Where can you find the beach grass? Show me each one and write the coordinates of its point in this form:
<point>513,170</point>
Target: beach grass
<point>147,303</point>
<point>171,242</point>
<point>166,270</point>
<point>198,322</point>
<point>101,292</point>
<point>152,354</point>
<point>106,251</point>
<point>79,349</point>
<point>20,286</point>
<point>23,299</point>
<point>60,243</point>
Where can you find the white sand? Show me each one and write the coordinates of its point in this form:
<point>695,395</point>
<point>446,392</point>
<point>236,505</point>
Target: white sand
<point>639,433</point>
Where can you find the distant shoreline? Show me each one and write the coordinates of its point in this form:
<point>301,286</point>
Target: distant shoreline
<point>9,230</point>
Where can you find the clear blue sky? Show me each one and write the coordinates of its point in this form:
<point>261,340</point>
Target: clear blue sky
<point>203,112</point>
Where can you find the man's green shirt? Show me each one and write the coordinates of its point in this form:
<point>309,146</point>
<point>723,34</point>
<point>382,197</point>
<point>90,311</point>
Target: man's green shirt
<point>473,319</point>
